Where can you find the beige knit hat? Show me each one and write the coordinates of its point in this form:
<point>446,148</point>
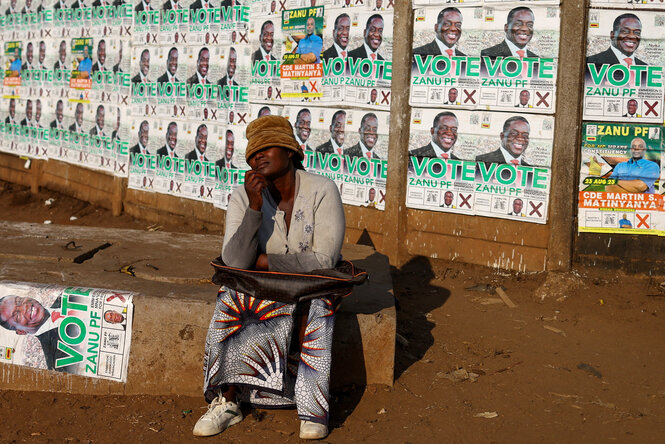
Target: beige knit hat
<point>269,131</point>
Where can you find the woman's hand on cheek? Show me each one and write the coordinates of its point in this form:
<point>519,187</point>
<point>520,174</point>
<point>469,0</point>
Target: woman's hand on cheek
<point>254,184</point>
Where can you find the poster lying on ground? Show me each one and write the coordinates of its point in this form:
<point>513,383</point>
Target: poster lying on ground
<point>480,163</point>
<point>499,58</point>
<point>75,330</point>
<point>619,175</point>
<point>624,66</point>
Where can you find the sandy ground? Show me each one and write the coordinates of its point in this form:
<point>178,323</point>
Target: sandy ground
<point>585,364</point>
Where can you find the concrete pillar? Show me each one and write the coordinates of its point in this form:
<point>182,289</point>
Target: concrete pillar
<point>394,242</point>
<point>565,154</point>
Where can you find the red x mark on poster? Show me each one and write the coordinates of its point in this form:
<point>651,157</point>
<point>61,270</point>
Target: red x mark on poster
<point>382,196</point>
<point>542,98</point>
<point>465,200</point>
<point>651,108</point>
<point>535,209</point>
<point>241,118</point>
<point>312,86</point>
<point>643,221</point>
<point>385,97</point>
<point>469,97</point>
<point>278,93</point>
<point>243,38</point>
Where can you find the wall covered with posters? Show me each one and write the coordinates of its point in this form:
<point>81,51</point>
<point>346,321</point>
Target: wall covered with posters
<point>621,169</point>
<point>161,93</point>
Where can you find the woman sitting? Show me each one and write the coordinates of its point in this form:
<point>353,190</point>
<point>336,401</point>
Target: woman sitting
<point>273,354</point>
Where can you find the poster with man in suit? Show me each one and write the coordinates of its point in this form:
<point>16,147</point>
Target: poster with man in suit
<point>478,162</point>
<point>62,329</point>
<point>623,80</point>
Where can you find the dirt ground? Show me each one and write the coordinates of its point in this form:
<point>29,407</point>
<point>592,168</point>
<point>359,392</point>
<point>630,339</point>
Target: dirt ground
<point>585,364</point>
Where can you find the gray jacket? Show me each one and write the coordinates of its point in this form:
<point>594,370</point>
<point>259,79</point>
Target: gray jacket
<point>315,237</point>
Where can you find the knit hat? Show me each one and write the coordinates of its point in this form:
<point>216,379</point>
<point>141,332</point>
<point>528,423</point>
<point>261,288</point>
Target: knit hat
<point>270,131</point>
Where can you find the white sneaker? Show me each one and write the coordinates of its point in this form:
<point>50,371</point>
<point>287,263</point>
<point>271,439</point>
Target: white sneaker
<point>221,414</point>
<point>312,430</point>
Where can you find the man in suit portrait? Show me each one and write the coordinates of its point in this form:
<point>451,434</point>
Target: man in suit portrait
<point>38,114</point>
<point>11,117</point>
<point>340,36</point>
<point>171,141</point>
<point>62,56</point>
<point>171,67</point>
<point>337,135</point>
<point>452,97</point>
<point>631,108</point>
<point>170,4</point>
<point>27,120</point>
<point>514,142</point>
<point>200,145</point>
<point>519,31</point>
<point>518,205</point>
<point>372,39</point>
<point>303,128</point>
<point>27,63</point>
<point>27,316</point>
<point>12,8</point>
<point>142,145</point>
<point>59,116</point>
<point>144,5</point>
<point>77,126</point>
<point>98,129</point>
<point>448,200</point>
<point>447,31</point>
<point>266,40</point>
<point>369,126</point>
<point>525,95</point>
<point>42,55</point>
<point>201,74</point>
<point>100,64</point>
<point>373,96</point>
<point>144,68</point>
<point>228,79</point>
<point>444,137</point>
<point>625,38</point>
<point>117,67</point>
<point>226,161</point>
<point>198,4</point>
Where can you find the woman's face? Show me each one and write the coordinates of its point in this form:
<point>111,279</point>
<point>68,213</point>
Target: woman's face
<point>272,162</point>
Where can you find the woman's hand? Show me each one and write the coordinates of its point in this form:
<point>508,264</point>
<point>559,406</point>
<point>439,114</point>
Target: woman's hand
<point>262,262</point>
<point>254,184</point>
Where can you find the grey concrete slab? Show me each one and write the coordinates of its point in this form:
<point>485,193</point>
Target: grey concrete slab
<point>174,302</point>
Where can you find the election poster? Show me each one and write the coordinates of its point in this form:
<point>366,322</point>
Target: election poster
<point>13,68</point>
<point>81,49</point>
<point>144,139</point>
<point>480,163</point>
<point>301,69</point>
<point>349,146</point>
<point>497,58</point>
<point>264,38</point>
<point>230,165</point>
<point>619,175</point>
<point>62,67</point>
<point>627,4</point>
<point>624,66</point>
<point>357,58</point>
<point>75,330</point>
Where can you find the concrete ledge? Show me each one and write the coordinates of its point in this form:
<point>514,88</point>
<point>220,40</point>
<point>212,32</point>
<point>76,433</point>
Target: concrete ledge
<point>174,304</point>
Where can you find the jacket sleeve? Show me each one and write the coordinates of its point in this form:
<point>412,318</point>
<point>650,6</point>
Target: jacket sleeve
<point>240,236</point>
<point>329,227</point>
